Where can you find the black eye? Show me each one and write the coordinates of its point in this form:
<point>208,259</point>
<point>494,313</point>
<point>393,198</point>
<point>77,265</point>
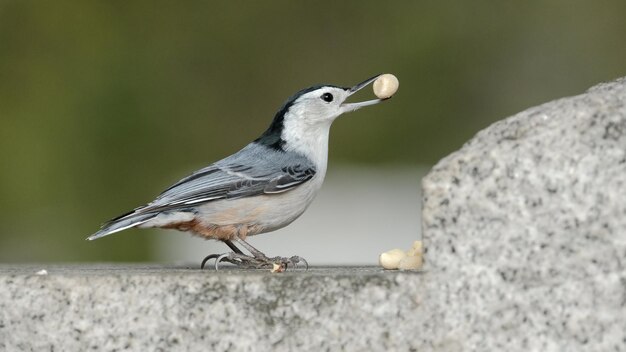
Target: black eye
<point>327,97</point>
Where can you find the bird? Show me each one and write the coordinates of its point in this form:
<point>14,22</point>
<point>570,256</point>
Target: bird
<point>261,188</point>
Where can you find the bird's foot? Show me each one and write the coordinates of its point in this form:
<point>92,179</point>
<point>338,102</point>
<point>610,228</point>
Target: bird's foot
<point>277,264</point>
<point>292,261</point>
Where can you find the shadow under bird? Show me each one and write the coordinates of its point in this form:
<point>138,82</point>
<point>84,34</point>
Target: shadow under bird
<point>261,188</point>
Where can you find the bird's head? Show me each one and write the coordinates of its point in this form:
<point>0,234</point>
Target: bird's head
<point>309,113</point>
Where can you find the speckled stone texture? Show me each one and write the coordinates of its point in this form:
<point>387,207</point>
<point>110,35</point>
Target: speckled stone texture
<point>525,229</point>
<point>152,308</point>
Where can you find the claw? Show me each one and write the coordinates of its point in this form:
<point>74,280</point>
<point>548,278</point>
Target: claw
<point>228,257</point>
<point>207,258</point>
<point>297,259</point>
<point>219,259</point>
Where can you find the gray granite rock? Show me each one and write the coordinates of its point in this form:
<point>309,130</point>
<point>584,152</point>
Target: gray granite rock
<point>153,308</point>
<point>525,229</point>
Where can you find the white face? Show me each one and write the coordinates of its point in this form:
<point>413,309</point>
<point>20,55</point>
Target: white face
<point>322,105</point>
<point>326,103</point>
<point>306,125</point>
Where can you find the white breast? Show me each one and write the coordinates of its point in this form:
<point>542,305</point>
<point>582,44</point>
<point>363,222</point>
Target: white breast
<point>267,212</point>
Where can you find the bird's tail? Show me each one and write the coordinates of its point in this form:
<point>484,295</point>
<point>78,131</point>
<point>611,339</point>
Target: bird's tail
<point>122,222</point>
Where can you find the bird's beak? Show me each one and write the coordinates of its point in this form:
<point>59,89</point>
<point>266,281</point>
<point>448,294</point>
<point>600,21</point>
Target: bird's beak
<point>347,107</point>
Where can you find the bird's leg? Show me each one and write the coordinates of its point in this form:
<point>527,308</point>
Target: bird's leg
<point>232,246</point>
<point>257,260</point>
<point>255,252</point>
<point>262,258</point>
<point>238,258</point>
<point>215,256</point>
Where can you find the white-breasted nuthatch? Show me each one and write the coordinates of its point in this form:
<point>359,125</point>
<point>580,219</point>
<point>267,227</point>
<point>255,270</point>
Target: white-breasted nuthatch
<point>261,188</point>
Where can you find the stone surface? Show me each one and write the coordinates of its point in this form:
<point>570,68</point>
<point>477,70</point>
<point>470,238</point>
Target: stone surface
<point>525,229</point>
<point>152,308</point>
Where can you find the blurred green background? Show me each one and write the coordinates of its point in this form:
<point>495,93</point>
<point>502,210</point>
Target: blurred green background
<point>104,104</point>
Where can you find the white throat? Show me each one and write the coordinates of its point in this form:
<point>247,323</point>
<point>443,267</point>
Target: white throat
<point>309,138</point>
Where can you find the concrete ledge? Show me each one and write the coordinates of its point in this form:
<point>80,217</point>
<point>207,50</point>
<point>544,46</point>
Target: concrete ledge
<point>150,307</point>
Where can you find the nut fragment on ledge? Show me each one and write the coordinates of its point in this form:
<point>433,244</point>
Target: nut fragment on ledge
<point>399,259</point>
<point>277,268</point>
<point>391,259</point>
<point>410,263</point>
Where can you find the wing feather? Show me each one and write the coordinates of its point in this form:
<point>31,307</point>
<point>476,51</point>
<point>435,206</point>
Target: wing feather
<point>252,171</point>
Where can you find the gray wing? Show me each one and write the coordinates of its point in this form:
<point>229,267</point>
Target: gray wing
<point>252,171</point>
